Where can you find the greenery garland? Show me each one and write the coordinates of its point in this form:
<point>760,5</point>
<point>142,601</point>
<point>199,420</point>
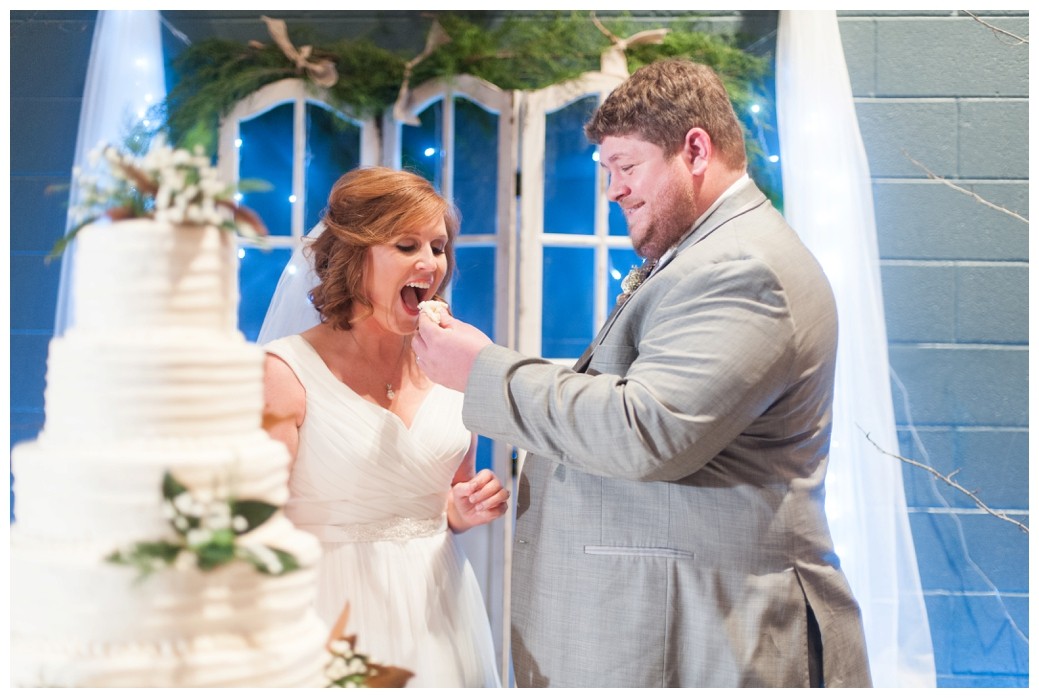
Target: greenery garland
<point>531,51</point>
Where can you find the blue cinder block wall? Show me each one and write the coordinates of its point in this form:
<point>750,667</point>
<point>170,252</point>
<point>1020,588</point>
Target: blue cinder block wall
<point>940,88</point>
<point>950,93</point>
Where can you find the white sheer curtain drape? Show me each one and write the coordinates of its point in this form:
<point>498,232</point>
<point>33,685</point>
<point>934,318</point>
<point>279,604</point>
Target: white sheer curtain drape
<point>125,77</point>
<point>828,199</point>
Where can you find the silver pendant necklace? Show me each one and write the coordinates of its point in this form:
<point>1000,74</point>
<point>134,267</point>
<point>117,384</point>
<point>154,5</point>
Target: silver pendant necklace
<point>391,392</point>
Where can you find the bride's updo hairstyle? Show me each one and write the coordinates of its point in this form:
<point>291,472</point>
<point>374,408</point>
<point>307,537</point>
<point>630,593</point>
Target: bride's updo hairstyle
<point>371,206</point>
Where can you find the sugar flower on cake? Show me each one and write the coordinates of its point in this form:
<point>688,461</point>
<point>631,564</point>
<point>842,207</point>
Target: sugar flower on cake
<point>173,185</point>
<point>206,534</point>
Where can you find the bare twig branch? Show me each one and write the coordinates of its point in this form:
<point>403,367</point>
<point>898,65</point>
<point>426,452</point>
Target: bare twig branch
<point>980,200</point>
<point>1019,39</point>
<point>947,479</point>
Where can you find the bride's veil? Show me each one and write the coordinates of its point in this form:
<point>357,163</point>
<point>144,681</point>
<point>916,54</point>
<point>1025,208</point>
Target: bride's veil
<point>291,311</point>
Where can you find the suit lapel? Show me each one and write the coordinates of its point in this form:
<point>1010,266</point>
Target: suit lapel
<point>746,199</point>
<point>743,201</point>
<point>586,357</point>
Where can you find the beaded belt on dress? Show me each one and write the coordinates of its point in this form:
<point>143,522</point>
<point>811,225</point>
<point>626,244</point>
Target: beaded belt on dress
<point>397,528</point>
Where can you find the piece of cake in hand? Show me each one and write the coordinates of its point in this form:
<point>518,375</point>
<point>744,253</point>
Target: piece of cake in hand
<point>433,309</point>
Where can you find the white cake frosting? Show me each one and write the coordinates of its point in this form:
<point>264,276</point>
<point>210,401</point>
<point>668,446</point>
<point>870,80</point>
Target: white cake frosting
<point>433,309</point>
<point>153,379</point>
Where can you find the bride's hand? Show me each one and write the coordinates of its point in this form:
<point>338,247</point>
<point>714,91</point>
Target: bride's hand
<point>477,501</point>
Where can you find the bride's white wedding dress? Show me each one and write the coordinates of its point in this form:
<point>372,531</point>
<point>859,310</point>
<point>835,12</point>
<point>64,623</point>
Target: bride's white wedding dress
<point>375,492</point>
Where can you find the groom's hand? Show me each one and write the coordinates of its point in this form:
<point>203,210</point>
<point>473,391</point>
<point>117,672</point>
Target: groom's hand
<point>447,352</point>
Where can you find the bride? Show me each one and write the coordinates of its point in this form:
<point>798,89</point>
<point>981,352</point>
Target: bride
<point>383,471</point>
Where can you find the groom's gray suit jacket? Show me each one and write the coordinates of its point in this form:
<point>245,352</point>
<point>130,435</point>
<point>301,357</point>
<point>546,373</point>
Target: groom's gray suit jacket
<point>670,526</point>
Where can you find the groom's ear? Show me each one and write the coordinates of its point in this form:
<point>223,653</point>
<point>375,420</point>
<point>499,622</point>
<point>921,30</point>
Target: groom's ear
<point>697,150</point>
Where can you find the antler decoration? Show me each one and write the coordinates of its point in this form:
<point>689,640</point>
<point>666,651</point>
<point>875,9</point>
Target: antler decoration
<point>436,38</point>
<point>613,61</point>
<point>322,73</point>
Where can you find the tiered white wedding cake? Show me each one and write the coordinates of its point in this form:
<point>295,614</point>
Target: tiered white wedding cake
<point>149,547</point>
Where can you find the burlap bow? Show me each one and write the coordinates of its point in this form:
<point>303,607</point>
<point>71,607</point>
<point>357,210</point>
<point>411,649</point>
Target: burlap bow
<point>436,38</point>
<point>322,72</point>
<point>613,60</point>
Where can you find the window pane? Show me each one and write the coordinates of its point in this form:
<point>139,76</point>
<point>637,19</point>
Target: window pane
<point>472,291</point>
<point>569,170</point>
<point>476,167</point>
<point>484,454</point>
<point>258,274</point>
<point>422,147</point>
<point>266,154</point>
<point>567,307</point>
<point>333,148</point>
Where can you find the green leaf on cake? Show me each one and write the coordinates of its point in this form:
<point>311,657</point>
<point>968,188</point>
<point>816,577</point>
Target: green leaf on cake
<point>147,557</point>
<point>215,553</point>
<point>254,512</point>
<point>142,553</point>
<point>288,562</point>
<point>171,488</point>
<point>270,560</point>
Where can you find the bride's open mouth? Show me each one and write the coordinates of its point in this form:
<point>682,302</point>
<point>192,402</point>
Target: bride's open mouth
<point>413,293</point>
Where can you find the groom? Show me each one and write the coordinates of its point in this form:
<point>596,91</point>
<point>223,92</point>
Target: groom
<point>670,526</point>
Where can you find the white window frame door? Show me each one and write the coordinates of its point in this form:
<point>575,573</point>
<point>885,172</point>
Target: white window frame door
<point>299,94</point>
<point>533,237</point>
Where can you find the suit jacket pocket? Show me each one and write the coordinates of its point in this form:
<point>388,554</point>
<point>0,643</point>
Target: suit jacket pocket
<point>633,551</point>
<point>612,358</point>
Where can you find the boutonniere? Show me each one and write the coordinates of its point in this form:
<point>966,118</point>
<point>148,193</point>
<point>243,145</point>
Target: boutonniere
<point>635,278</point>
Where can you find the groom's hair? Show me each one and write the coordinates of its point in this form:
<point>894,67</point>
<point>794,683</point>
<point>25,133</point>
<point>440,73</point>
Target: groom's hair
<point>661,101</point>
<point>371,206</point>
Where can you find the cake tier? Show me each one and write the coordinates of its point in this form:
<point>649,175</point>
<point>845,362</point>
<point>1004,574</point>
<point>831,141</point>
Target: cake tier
<point>71,594</point>
<point>291,656</point>
<point>112,493</point>
<point>167,383</point>
<point>81,623</point>
<point>138,274</point>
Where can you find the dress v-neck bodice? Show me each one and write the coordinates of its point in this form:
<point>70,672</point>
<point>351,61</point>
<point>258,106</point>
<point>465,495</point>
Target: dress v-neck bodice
<point>358,463</point>
<point>333,380</point>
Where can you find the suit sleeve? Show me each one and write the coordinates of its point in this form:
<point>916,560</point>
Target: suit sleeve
<point>713,353</point>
